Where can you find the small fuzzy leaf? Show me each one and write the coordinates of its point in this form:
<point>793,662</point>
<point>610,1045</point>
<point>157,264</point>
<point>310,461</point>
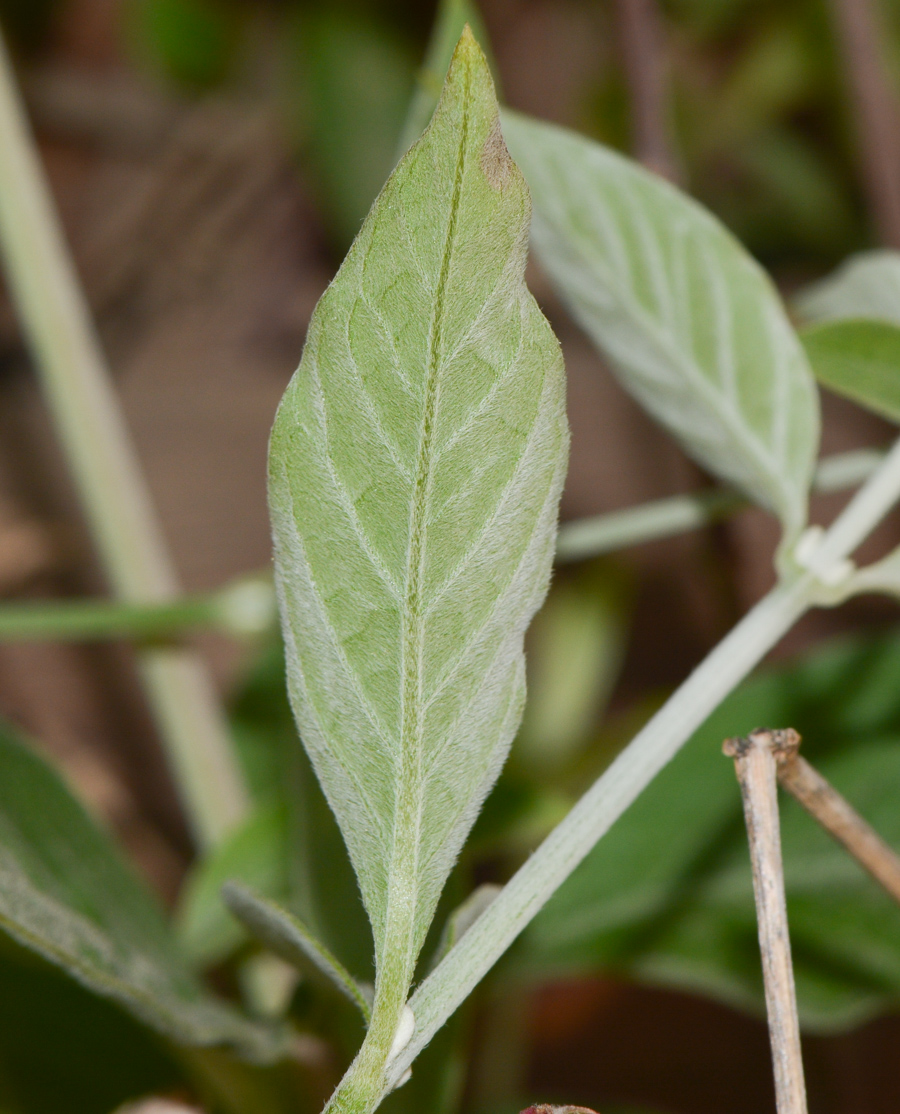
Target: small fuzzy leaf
<point>867,285</point>
<point>688,320</point>
<point>415,467</point>
<point>66,894</point>
<point>288,937</point>
<point>859,359</point>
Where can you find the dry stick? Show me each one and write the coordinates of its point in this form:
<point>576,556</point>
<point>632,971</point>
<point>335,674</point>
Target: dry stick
<point>837,817</point>
<point>641,34</point>
<point>860,36</point>
<point>76,381</point>
<point>755,764</point>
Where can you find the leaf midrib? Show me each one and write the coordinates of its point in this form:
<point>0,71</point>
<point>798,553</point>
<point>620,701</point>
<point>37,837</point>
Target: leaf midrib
<point>406,833</point>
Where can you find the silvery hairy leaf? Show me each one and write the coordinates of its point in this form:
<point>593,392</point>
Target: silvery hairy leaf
<point>687,319</point>
<point>66,894</point>
<point>415,467</point>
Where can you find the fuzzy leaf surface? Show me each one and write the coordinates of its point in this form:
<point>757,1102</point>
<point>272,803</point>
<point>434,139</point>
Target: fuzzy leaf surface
<point>66,894</point>
<point>867,285</point>
<point>415,470</point>
<point>691,324</point>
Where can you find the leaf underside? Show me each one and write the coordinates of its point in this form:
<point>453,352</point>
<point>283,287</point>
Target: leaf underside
<point>690,323</point>
<point>66,894</point>
<point>416,464</point>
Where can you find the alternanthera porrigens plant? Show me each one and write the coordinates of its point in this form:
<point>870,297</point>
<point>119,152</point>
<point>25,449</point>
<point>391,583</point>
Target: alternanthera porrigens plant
<point>416,464</point>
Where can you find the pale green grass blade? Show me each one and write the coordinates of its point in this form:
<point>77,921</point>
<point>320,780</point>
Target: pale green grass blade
<point>691,324</point>
<point>416,465</point>
<point>859,359</point>
<point>66,894</point>
<point>288,937</point>
<point>867,285</point>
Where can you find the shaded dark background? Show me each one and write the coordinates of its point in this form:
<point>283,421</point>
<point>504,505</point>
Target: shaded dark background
<point>212,159</point>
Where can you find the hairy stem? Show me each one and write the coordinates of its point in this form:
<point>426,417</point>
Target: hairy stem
<point>76,382</point>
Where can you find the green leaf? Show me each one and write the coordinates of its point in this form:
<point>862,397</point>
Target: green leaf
<point>575,650</point>
<point>192,41</point>
<point>356,79</point>
<point>256,853</point>
<point>415,470</point>
<point>450,22</point>
<point>288,937</point>
<point>54,1034</point>
<point>860,360</point>
<point>867,286</point>
<point>667,895</point>
<point>690,323</point>
<point>66,894</point>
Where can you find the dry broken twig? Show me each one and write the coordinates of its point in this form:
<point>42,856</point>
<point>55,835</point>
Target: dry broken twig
<point>823,802</point>
<point>755,765</point>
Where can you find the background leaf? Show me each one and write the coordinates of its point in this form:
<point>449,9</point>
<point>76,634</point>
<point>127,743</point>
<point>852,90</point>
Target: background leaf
<point>415,469</point>
<point>692,325</point>
<point>54,1033</point>
<point>667,896</point>
<point>257,854</point>
<point>860,360</point>
<point>66,894</point>
<point>867,285</point>
<point>354,75</point>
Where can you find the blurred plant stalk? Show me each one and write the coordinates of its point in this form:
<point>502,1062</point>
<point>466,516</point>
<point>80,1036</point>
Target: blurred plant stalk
<point>663,518</point>
<point>243,609</point>
<point>75,378</point>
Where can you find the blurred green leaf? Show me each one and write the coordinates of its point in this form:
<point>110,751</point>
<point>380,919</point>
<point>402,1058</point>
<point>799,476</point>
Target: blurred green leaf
<point>575,648</point>
<point>866,286</point>
<point>54,1034</point>
<point>257,853</point>
<point>860,360</point>
<point>666,896</point>
<point>688,320</point>
<point>769,78</point>
<point>793,184</point>
<point>355,77</point>
<point>193,42</point>
<point>66,893</point>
